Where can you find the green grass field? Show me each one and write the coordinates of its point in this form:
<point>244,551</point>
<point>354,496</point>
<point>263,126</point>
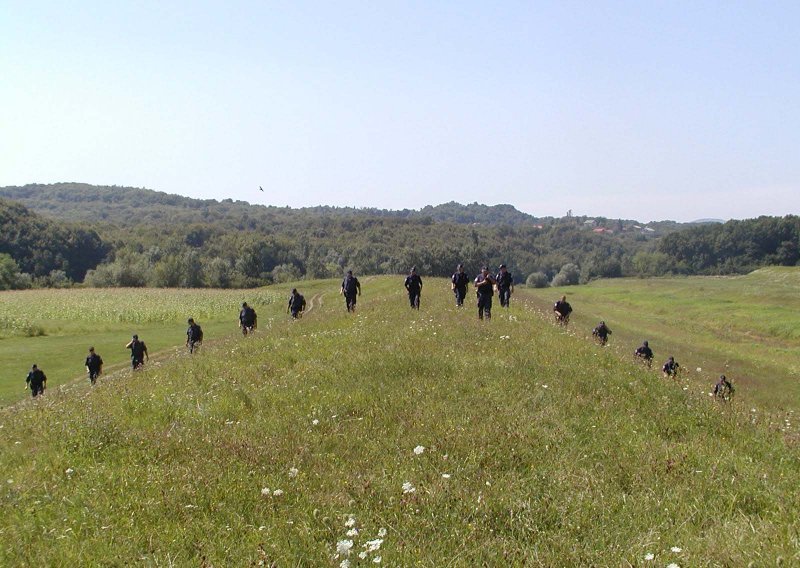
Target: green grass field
<point>744,326</point>
<point>397,438</point>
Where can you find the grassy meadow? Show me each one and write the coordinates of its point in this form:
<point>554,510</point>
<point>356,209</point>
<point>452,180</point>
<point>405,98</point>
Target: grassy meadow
<point>392,437</point>
<point>747,327</point>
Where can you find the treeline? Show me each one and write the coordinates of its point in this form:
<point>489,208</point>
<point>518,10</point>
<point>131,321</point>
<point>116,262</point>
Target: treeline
<point>140,237</point>
<point>734,247</point>
<point>38,251</point>
<point>203,255</point>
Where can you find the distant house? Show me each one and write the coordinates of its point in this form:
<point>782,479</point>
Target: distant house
<point>603,231</point>
<point>589,223</point>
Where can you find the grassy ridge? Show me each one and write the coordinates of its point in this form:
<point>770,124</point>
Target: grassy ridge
<point>744,326</point>
<point>558,453</point>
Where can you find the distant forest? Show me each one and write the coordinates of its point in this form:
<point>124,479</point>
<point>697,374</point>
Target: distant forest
<point>60,234</point>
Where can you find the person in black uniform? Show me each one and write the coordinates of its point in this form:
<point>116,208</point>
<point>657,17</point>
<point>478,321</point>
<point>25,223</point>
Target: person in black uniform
<point>723,390</point>
<point>670,368</point>
<point>36,381</point>
<point>484,286</point>
<point>459,282</point>
<point>505,285</point>
<point>94,365</point>
<point>644,353</point>
<point>138,352</point>
<point>297,304</point>
<point>248,319</point>
<point>562,310</point>
<point>350,288</point>
<point>601,332</point>
<point>413,286</point>
<point>194,335</point>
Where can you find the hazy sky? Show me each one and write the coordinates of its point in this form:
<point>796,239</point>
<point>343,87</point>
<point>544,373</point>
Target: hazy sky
<point>645,110</point>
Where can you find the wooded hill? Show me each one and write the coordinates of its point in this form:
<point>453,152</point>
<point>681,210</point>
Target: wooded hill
<point>156,239</point>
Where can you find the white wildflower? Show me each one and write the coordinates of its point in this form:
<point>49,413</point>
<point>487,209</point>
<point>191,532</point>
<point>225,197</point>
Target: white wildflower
<point>350,522</point>
<point>676,549</point>
<point>373,545</point>
<point>362,555</point>
<point>277,493</point>
<point>69,471</point>
<point>315,421</point>
<point>352,532</point>
<point>344,546</point>
<point>445,476</point>
<point>293,472</point>
<point>266,492</point>
<point>344,563</point>
<point>408,488</point>
<point>672,565</point>
<point>419,449</point>
<point>381,532</point>
<point>699,369</point>
<point>376,560</point>
<point>649,556</point>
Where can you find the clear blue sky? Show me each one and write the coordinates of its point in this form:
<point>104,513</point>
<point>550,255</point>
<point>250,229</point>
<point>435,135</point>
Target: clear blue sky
<point>646,110</point>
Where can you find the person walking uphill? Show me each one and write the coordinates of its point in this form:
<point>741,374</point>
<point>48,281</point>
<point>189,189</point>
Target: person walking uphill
<point>94,365</point>
<point>297,304</point>
<point>248,319</point>
<point>562,310</point>
<point>138,352</point>
<point>644,353</point>
<point>36,381</point>
<point>505,286</point>
<point>484,286</point>
<point>459,282</point>
<point>670,368</point>
<point>350,286</point>
<point>601,332</point>
<point>194,335</point>
<point>413,286</point>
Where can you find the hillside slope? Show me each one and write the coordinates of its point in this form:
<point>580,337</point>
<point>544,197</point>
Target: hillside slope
<point>423,438</point>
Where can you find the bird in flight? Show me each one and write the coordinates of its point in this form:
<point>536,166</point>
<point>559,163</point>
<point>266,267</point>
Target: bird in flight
<point>261,188</point>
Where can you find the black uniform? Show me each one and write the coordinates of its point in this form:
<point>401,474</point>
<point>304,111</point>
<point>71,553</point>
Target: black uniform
<point>562,310</point>
<point>601,332</point>
<point>194,335</point>
<point>723,389</point>
<point>138,349</point>
<point>484,286</point>
<point>645,353</point>
<point>297,304</point>
<point>460,282</point>
<point>504,283</point>
<point>351,287</point>
<point>36,380</point>
<point>94,363</point>
<point>247,319</point>
<point>670,368</point>
<point>413,285</point>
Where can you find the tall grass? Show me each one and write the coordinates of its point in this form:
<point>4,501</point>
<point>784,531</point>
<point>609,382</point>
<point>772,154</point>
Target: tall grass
<point>535,448</point>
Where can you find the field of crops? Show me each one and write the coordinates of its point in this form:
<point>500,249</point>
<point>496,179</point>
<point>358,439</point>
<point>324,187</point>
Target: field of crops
<point>54,328</point>
<point>396,438</point>
<point>20,310</point>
